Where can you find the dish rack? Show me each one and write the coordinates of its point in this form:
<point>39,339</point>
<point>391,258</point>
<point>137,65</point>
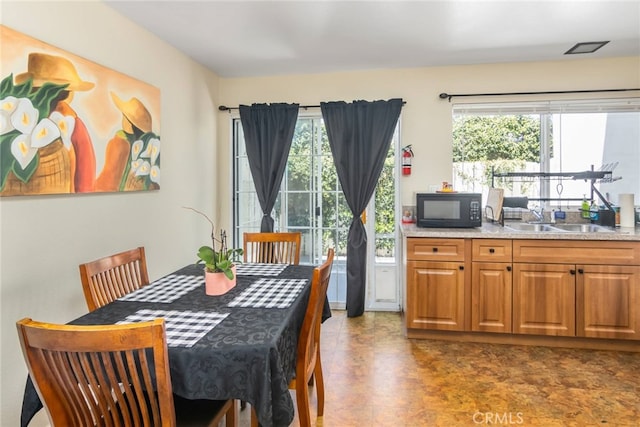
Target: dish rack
<point>604,175</point>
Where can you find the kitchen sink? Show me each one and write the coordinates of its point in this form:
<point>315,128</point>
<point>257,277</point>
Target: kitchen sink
<point>584,228</point>
<point>557,228</point>
<point>528,227</point>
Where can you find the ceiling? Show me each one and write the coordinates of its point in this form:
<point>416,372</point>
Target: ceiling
<point>264,38</point>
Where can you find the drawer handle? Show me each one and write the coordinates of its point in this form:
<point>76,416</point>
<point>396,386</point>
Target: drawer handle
<point>508,268</point>
<point>461,267</point>
<point>491,250</point>
<point>435,249</point>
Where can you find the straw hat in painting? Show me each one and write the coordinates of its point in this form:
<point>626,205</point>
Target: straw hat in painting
<point>134,111</point>
<point>43,68</point>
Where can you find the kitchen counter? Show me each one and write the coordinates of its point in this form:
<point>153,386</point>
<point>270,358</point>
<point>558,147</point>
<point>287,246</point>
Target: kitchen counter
<point>496,231</point>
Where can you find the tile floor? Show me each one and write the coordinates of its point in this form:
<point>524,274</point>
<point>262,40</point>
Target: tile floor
<point>374,376</point>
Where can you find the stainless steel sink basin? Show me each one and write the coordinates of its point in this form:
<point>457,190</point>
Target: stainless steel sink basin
<point>528,227</point>
<point>584,228</point>
<point>557,228</point>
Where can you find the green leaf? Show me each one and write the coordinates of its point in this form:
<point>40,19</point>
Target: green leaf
<point>42,98</point>
<point>6,157</point>
<point>23,90</point>
<point>6,86</point>
<point>25,174</point>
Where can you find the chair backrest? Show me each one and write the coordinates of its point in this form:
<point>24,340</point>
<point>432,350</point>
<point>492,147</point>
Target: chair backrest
<point>283,248</point>
<point>100,375</point>
<point>107,279</point>
<point>309,338</point>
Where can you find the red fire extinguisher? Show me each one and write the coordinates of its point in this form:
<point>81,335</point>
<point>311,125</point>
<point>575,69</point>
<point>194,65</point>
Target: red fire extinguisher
<point>407,154</point>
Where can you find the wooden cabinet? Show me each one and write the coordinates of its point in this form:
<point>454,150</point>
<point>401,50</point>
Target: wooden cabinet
<point>435,279</point>
<point>577,288</point>
<point>538,290</point>
<point>491,286</point>
<point>608,301</point>
<point>544,299</point>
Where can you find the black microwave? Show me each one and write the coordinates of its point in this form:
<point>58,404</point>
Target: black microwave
<point>449,210</point>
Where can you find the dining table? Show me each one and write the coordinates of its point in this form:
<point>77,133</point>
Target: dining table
<point>239,345</point>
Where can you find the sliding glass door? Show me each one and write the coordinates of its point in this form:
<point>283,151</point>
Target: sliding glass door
<point>311,202</point>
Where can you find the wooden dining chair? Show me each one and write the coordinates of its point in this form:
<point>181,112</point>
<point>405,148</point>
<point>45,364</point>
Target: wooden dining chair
<point>283,248</point>
<point>308,363</point>
<point>109,375</point>
<point>107,279</point>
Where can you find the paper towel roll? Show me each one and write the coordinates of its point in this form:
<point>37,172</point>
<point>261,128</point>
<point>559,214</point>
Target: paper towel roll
<point>627,210</point>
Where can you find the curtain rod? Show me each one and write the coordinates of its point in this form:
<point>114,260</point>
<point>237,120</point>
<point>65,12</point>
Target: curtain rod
<point>225,108</point>
<point>448,96</point>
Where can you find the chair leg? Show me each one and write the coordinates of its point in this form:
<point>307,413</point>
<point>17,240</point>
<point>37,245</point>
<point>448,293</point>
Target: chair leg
<point>254,418</point>
<point>319,386</point>
<point>231,417</point>
<point>302,398</point>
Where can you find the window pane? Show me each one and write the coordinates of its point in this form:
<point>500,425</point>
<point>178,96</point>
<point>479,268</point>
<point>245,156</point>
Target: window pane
<point>569,137</point>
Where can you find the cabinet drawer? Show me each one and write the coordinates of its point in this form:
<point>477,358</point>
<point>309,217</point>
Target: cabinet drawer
<point>577,252</point>
<point>491,250</point>
<point>428,249</point>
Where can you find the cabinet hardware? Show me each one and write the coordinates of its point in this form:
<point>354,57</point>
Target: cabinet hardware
<point>508,268</point>
<point>581,271</point>
<point>572,271</point>
<point>491,250</point>
<point>435,249</point>
<point>461,267</point>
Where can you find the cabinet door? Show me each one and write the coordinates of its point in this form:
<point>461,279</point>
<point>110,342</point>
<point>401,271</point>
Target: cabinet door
<point>435,295</point>
<point>608,302</point>
<point>544,299</point>
<point>491,297</point>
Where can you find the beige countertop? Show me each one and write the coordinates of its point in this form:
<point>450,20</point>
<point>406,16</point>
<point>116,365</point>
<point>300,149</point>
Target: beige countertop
<point>496,231</point>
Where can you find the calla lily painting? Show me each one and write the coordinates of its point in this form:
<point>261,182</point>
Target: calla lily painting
<point>69,125</point>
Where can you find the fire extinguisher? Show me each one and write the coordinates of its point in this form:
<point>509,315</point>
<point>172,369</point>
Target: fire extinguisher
<point>407,154</point>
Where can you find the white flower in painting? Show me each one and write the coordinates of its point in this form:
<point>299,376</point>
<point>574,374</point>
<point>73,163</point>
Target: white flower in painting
<point>136,148</point>
<point>155,174</point>
<point>44,133</point>
<point>22,150</point>
<point>25,116</point>
<point>5,122</point>
<point>144,169</point>
<point>65,124</point>
<point>9,104</point>
<point>152,151</point>
<point>135,165</point>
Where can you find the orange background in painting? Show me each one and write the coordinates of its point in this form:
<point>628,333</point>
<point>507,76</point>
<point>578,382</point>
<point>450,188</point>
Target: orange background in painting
<point>95,106</point>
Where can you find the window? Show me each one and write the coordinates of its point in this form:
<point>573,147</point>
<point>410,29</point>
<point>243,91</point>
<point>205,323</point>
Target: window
<point>554,137</point>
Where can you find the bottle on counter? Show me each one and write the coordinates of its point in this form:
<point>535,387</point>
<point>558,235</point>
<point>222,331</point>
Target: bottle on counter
<point>584,209</point>
<point>594,215</point>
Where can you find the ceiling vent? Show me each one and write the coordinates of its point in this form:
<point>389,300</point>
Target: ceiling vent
<point>585,47</point>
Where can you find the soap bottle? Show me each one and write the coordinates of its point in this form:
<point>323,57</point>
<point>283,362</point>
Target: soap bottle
<point>584,209</point>
<point>593,212</point>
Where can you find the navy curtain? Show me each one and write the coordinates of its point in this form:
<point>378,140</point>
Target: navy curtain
<point>359,134</point>
<point>268,133</point>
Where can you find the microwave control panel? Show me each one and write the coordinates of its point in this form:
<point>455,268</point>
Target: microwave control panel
<point>474,211</point>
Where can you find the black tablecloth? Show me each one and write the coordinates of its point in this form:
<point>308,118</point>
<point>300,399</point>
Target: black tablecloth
<point>249,356</point>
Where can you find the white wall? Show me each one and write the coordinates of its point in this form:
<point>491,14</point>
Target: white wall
<point>43,239</point>
<point>426,119</point>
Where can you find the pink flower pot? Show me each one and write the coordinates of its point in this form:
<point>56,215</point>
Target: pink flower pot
<point>218,283</point>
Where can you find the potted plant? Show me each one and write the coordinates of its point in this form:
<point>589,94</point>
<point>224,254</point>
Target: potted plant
<point>219,261</point>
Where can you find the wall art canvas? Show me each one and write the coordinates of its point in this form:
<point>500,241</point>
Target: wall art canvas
<point>69,125</point>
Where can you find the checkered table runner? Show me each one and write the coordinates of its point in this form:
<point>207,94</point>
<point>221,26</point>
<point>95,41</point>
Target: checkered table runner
<point>166,289</point>
<point>260,269</point>
<point>269,293</point>
<point>184,328</point>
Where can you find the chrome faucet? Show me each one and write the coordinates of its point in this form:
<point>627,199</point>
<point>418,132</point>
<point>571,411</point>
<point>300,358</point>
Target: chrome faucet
<point>538,214</point>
